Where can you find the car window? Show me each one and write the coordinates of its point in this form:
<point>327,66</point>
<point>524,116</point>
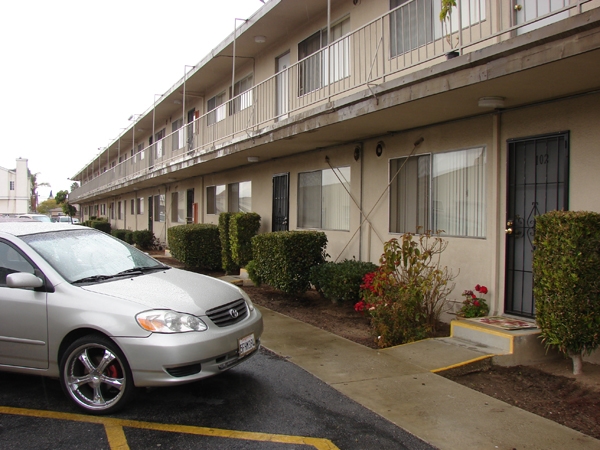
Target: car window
<point>77,254</point>
<point>11,261</point>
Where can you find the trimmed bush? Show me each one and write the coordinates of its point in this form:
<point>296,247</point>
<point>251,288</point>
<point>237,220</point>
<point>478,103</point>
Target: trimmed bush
<point>228,264</point>
<point>124,235</point>
<point>340,282</point>
<point>99,224</point>
<point>566,284</point>
<point>242,228</point>
<point>144,239</point>
<point>283,259</point>
<point>196,245</point>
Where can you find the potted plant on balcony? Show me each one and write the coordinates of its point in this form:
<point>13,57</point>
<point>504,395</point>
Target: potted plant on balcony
<point>445,18</point>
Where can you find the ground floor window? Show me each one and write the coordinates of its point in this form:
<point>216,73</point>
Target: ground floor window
<point>178,207</point>
<point>441,192</point>
<point>239,197</point>
<point>140,205</point>
<point>159,208</point>
<point>324,199</point>
<point>215,199</point>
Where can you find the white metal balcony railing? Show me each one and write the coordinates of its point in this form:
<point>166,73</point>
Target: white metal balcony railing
<point>409,36</point>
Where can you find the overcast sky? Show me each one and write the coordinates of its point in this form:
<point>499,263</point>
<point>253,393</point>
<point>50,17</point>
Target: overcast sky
<point>73,71</point>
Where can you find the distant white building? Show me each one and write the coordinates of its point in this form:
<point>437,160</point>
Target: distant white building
<point>15,189</point>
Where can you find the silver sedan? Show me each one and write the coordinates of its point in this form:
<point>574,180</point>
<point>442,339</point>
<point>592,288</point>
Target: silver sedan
<point>104,317</point>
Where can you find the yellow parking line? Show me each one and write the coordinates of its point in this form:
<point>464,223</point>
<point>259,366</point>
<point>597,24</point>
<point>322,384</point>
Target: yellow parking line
<point>117,440</point>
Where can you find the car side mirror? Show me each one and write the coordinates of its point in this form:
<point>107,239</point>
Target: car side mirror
<point>23,280</point>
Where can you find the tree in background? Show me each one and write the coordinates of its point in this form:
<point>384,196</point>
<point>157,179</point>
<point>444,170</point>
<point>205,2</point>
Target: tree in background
<point>34,187</point>
<point>45,206</point>
<point>62,199</point>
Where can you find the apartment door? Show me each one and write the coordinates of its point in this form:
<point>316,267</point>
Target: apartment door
<point>282,82</point>
<point>190,206</point>
<point>538,182</point>
<point>190,129</point>
<point>528,10</point>
<point>150,213</point>
<point>281,202</point>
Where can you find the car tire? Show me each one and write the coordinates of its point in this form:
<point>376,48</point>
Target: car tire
<point>95,374</point>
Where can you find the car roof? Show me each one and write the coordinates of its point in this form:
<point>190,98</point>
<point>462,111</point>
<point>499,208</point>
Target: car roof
<point>23,227</point>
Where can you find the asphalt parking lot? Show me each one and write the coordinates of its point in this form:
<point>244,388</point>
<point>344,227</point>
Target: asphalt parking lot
<point>266,403</point>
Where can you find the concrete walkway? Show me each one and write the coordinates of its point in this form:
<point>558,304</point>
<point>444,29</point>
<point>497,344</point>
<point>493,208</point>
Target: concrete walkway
<point>400,385</point>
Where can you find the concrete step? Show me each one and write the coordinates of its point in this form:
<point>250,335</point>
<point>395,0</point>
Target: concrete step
<point>510,347</point>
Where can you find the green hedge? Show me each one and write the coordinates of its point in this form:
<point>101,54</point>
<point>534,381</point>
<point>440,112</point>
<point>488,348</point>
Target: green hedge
<point>242,228</point>
<point>228,264</point>
<point>144,239</point>
<point>98,224</point>
<point>283,259</point>
<point>340,282</point>
<point>124,235</point>
<point>566,261</point>
<point>196,245</point>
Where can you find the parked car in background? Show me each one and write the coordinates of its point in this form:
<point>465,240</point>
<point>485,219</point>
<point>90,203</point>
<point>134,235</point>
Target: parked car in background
<point>38,217</point>
<point>67,219</point>
<point>104,318</point>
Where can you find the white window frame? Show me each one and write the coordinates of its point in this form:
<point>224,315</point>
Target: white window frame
<point>324,199</point>
<point>239,197</point>
<point>449,198</point>
<point>217,109</point>
<point>215,199</point>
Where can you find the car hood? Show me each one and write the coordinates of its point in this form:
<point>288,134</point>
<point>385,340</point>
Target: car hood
<point>174,289</point>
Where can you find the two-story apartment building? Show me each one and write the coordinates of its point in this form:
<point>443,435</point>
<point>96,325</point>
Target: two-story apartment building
<point>370,118</point>
<point>15,189</point>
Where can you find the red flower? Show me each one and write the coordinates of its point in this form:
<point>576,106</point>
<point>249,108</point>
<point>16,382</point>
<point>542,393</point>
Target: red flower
<point>481,289</point>
<point>476,302</point>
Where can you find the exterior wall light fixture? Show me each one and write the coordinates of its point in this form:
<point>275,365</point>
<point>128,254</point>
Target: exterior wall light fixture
<point>491,102</point>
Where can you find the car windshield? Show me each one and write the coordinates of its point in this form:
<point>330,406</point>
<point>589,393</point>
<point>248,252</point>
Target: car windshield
<point>89,256</point>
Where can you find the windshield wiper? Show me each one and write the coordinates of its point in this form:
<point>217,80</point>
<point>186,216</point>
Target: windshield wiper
<point>133,271</point>
<point>93,278</point>
<point>143,269</point>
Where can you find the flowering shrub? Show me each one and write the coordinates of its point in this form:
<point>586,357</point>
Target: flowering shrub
<point>474,306</point>
<point>405,296</point>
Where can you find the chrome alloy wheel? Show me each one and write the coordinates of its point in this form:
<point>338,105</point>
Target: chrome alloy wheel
<point>96,376</point>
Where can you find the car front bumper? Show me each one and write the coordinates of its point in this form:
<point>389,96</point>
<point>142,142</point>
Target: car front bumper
<point>170,359</point>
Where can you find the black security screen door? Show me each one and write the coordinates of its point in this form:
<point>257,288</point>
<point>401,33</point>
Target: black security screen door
<point>538,182</point>
<point>281,202</point>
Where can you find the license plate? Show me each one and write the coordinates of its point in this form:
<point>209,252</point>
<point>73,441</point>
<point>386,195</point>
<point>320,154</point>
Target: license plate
<point>246,345</point>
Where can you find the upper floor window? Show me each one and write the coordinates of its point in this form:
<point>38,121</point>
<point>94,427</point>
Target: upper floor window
<point>417,23</point>
<point>216,109</point>
<point>12,185</point>
<point>158,146</point>
<point>324,199</point>
<point>239,197</point>
<point>444,192</point>
<point>318,68</point>
<point>177,138</point>
<point>242,95</point>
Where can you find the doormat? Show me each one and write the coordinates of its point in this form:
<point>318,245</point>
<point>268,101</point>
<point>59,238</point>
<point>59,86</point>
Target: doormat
<point>506,323</point>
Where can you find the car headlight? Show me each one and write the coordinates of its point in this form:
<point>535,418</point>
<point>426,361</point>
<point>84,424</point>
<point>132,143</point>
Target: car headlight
<point>248,301</point>
<point>166,321</point>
